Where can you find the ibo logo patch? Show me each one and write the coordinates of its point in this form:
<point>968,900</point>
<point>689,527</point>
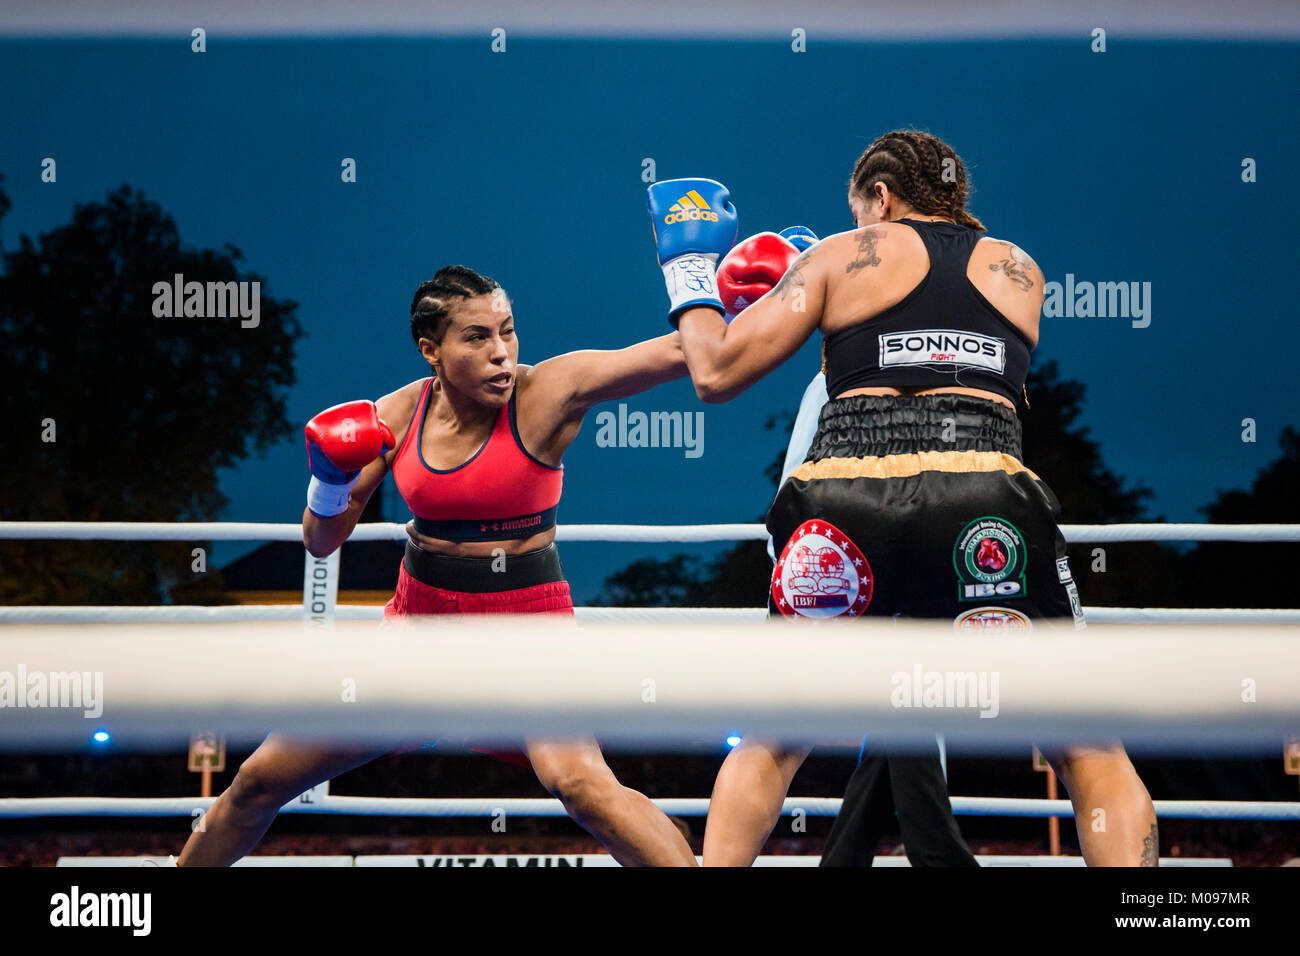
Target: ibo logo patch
<point>990,557</point>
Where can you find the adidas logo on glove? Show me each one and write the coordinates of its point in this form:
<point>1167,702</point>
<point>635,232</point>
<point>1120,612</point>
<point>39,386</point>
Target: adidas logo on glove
<point>690,207</point>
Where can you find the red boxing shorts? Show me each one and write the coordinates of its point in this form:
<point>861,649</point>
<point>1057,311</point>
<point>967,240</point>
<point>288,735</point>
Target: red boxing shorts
<point>531,583</point>
<point>416,597</point>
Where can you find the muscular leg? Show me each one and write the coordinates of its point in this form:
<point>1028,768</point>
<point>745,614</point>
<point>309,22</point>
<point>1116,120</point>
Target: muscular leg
<point>1113,812</point>
<point>276,772</point>
<point>746,803</point>
<point>631,827</point>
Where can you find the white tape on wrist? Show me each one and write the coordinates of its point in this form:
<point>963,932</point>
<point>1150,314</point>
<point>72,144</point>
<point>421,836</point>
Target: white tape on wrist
<point>328,500</point>
<point>690,279</point>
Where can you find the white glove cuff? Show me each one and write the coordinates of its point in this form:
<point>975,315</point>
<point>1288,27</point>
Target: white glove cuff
<point>692,279</point>
<point>325,500</point>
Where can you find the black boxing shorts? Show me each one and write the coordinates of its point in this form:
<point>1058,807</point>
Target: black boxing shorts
<point>919,506</point>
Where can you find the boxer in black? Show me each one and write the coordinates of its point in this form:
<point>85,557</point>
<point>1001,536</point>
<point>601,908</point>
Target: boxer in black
<point>909,789</point>
<point>913,500</point>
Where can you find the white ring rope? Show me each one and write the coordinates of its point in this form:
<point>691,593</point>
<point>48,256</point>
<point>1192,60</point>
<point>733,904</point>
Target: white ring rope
<point>192,614</point>
<point>256,531</point>
<point>1118,533</point>
<point>390,531</point>
<point>495,677</point>
<point>13,807</point>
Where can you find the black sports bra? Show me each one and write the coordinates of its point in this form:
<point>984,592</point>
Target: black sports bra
<point>943,333</point>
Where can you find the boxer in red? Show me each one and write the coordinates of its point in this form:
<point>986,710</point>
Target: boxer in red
<point>477,460</point>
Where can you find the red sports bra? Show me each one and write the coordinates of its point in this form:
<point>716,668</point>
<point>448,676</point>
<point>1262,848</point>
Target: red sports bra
<point>501,492</point>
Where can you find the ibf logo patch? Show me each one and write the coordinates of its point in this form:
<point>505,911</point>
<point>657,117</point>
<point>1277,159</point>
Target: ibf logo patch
<point>945,348</point>
<point>992,620</point>
<point>821,574</point>
<point>990,557</point>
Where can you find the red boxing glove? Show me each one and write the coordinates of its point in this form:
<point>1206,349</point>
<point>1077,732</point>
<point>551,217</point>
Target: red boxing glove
<point>751,269</point>
<point>348,437</point>
<point>340,442</point>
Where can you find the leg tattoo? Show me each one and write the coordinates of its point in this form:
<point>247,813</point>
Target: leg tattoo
<point>1151,848</point>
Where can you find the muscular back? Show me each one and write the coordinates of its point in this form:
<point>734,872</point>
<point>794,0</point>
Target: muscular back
<point>870,270</point>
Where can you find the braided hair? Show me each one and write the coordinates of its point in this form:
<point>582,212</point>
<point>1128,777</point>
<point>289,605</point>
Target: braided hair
<point>912,164</point>
<point>433,302</point>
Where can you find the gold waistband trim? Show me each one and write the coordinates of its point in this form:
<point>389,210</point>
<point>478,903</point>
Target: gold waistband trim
<point>905,466</point>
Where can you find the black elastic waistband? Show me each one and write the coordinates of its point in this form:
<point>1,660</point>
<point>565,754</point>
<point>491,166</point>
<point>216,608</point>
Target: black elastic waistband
<point>492,529</point>
<point>863,426</point>
<point>483,575</point>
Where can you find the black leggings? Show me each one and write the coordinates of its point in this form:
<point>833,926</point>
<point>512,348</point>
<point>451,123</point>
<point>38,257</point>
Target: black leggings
<point>911,786</point>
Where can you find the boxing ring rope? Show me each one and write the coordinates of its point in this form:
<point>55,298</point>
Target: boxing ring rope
<point>194,614</point>
<point>634,533</point>
<point>637,685</point>
<point>1269,727</point>
<point>12,807</point>
<point>814,683</point>
<point>626,533</point>
<point>370,531</point>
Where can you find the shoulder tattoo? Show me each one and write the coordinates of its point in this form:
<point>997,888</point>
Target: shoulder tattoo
<point>865,257</point>
<point>793,276</point>
<point>1017,267</point>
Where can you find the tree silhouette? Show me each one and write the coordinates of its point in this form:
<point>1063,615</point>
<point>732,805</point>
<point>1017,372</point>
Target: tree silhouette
<point>4,199</point>
<point>651,583</point>
<point>112,413</point>
<point>736,578</point>
<point>1065,456</point>
<point>1069,460</point>
<point>1253,575</point>
<point>1055,447</point>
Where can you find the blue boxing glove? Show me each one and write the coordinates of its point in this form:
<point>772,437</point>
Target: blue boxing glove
<point>801,237</point>
<point>694,225</point>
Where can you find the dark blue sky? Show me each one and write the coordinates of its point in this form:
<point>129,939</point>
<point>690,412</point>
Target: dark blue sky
<point>1122,166</point>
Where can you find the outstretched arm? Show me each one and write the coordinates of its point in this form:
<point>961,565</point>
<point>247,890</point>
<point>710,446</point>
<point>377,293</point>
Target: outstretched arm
<point>590,376</point>
<point>725,360</point>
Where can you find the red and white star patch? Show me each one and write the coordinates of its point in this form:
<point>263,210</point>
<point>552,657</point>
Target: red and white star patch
<point>821,573</point>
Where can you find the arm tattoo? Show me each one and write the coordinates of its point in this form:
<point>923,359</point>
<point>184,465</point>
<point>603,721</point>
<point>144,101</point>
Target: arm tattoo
<point>1015,268</point>
<point>793,276</point>
<point>866,257</point>
<point>1151,848</point>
